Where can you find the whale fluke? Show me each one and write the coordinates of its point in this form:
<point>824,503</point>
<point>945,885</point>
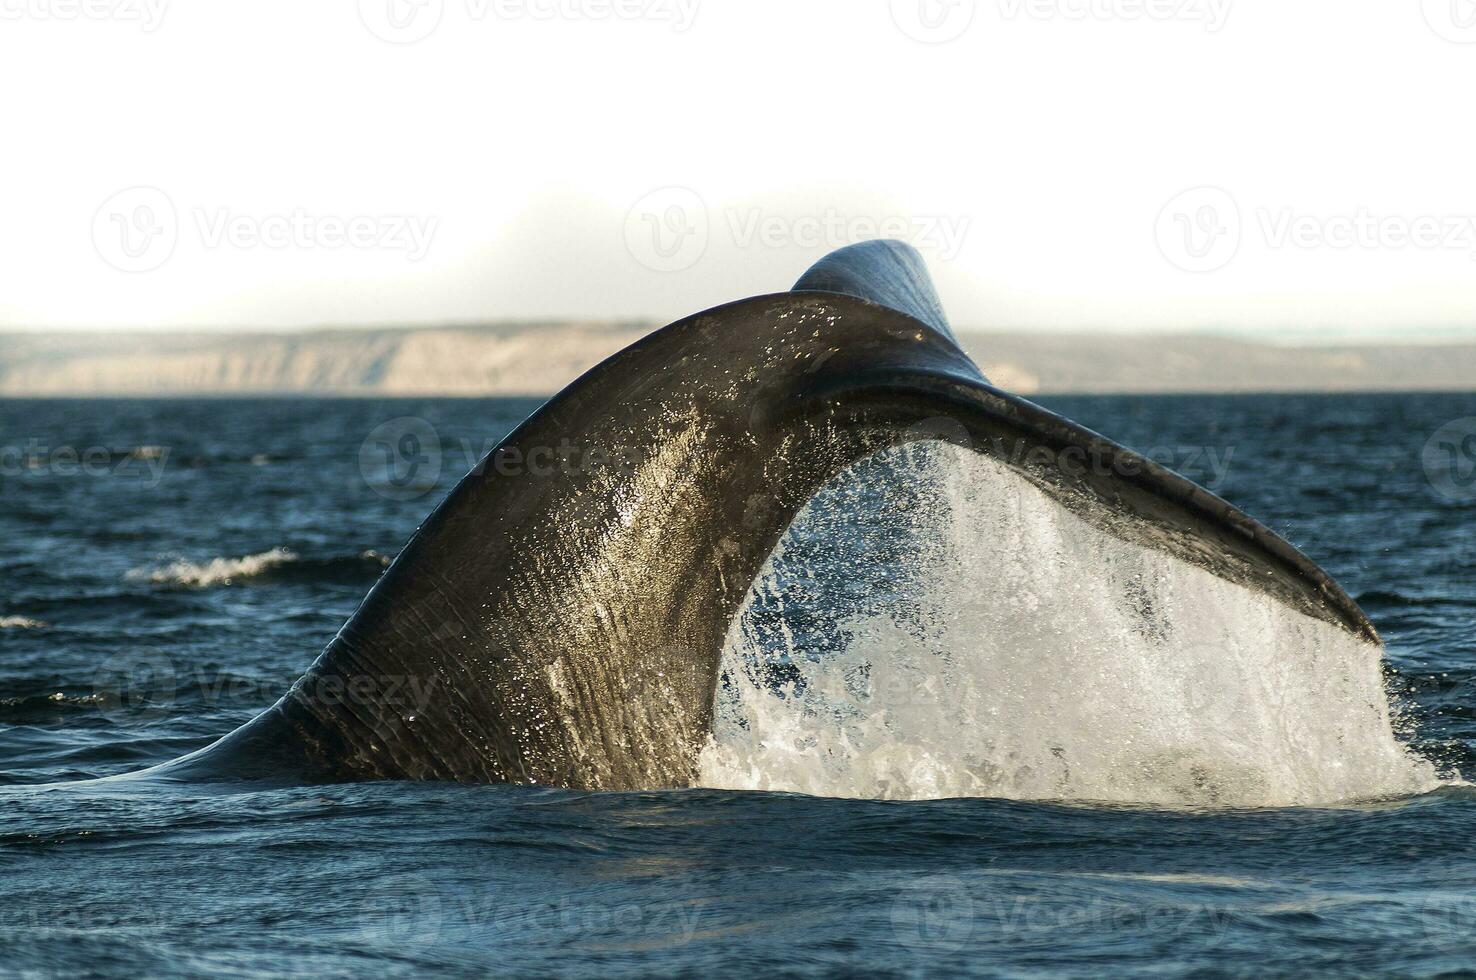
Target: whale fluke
<point>885,272</point>
<point>562,624</point>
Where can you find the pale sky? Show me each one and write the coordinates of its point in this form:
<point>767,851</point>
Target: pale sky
<point>1063,164</point>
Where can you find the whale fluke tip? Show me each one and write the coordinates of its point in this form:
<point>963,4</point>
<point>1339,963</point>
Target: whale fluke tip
<point>884,271</point>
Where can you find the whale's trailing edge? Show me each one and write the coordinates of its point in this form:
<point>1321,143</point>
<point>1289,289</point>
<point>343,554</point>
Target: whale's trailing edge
<point>562,624</point>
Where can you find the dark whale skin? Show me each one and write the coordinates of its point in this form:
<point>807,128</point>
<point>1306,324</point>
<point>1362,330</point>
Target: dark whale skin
<point>565,628</point>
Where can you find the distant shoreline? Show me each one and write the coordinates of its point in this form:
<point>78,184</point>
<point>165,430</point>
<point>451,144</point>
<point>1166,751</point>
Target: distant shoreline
<point>537,359</point>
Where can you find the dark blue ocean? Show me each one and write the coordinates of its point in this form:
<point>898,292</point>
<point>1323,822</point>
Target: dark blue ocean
<point>170,566</point>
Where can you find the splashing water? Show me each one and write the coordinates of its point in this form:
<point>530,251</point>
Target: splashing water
<point>216,571</point>
<point>934,626</point>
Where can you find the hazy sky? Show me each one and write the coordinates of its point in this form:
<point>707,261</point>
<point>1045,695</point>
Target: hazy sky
<point>1220,164</point>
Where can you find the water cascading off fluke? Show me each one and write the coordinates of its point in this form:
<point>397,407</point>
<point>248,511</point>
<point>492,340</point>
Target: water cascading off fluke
<point>570,622</point>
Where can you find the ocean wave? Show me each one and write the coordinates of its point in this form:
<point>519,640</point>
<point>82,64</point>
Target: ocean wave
<point>277,565</point>
<point>216,571</point>
<point>21,623</point>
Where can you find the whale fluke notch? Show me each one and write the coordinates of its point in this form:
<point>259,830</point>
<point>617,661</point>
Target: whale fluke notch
<point>563,626</point>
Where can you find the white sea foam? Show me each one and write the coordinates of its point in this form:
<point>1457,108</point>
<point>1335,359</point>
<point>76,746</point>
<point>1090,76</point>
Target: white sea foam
<point>20,623</point>
<point>216,571</point>
<point>1035,657</point>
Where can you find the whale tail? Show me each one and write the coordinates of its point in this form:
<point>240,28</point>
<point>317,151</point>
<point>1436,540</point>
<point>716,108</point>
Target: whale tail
<point>562,623</point>
<point>885,272</point>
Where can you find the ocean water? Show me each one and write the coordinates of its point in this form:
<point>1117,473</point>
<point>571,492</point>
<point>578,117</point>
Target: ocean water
<point>958,733</point>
